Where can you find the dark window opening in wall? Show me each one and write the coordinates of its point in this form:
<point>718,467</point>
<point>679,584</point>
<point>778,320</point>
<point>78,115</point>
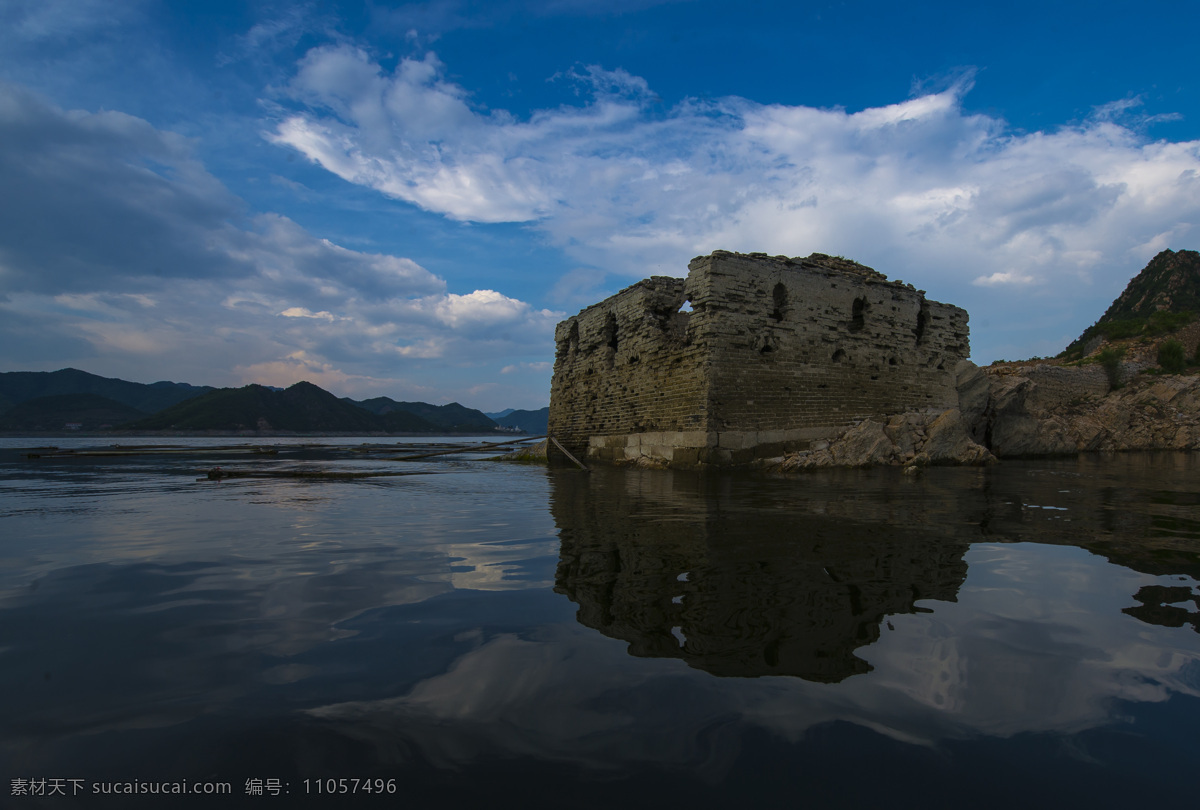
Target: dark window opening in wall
<point>573,338</point>
<point>891,361</point>
<point>839,356</point>
<point>857,320</point>
<point>922,322</point>
<point>609,336</point>
<point>779,298</point>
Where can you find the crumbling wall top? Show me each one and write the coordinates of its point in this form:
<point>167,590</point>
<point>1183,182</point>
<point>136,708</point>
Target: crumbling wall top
<point>814,261</point>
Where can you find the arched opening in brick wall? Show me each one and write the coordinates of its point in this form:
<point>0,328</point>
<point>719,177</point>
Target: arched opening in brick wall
<point>610,339</point>
<point>779,299</point>
<point>922,322</point>
<point>857,314</point>
<point>839,356</point>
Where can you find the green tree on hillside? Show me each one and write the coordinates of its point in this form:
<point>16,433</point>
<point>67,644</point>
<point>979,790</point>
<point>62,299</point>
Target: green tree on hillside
<point>1171,357</point>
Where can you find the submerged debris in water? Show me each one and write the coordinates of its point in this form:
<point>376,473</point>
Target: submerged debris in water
<point>218,474</point>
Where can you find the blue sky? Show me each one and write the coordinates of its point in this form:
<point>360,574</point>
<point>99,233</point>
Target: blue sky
<point>402,199</point>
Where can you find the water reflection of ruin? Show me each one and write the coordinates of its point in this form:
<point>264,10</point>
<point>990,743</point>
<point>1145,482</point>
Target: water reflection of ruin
<point>681,566</point>
<point>792,575</point>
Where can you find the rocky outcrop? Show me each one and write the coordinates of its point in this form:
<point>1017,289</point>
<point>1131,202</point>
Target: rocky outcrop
<point>1043,410</point>
<point>1009,426</point>
<point>1011,412</point>
<point>973,393</point>
<point>909,439</point>
<point>527,454</point>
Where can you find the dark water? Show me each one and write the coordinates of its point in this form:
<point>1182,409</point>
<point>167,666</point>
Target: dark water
<point>499,635</point>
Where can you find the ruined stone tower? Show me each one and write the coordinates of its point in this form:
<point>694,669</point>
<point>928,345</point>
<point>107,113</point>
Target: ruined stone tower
<point>748,357</point>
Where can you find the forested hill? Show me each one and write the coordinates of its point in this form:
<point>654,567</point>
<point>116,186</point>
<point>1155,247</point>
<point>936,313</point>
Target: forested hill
<point>302,408</point>
<point>21,386</point>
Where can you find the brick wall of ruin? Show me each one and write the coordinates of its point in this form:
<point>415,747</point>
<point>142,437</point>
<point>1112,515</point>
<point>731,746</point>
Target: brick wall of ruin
<point>1062,386</point>
<point>626,365</point>
<point>797,344</point>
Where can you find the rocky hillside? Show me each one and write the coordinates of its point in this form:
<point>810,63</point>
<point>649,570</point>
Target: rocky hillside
<point>1161,299</point>
<point>1171,281</point>
<point>1044,410</point>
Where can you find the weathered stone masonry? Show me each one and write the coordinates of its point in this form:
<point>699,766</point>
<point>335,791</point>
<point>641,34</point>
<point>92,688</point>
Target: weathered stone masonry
<point>748,357</point>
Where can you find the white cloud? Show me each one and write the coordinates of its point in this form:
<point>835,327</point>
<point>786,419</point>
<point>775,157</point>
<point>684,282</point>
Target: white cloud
<point>541,367</point>
<point>301,312</point>
<point>921,189</point>
<point>1004,278</point>
<point>481,308</point>
<point>300,365</point>
<point>293,259</point>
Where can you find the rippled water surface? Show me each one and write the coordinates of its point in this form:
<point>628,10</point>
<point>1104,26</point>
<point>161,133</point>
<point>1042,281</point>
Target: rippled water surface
<point>483,634</point>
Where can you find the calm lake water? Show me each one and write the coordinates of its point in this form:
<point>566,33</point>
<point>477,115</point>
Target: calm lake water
<point>484,634</point>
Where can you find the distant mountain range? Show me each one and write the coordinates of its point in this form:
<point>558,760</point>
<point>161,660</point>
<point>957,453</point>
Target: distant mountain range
<point>452,418</point>
<point>73,399</point>
<point>531,422</point>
